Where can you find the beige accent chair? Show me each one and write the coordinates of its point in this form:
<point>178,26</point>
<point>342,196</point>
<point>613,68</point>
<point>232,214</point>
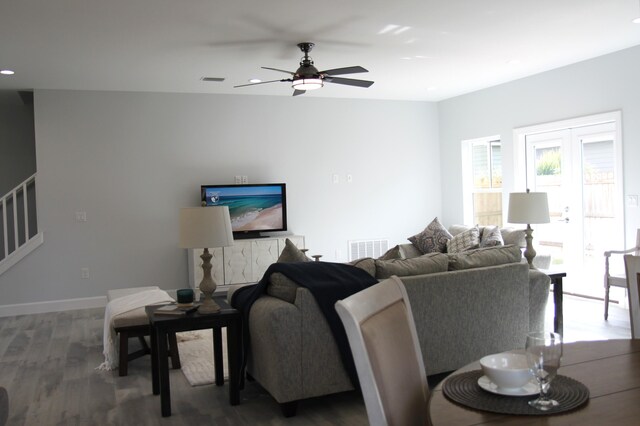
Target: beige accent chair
<point>614,279</point>
<point>632,269</point>
<point>383,339</point>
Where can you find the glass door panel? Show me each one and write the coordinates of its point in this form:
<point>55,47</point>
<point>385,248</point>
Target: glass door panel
<point>576,168</point>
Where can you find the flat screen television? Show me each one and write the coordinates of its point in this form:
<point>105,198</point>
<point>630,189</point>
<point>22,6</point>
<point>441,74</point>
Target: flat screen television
<point>254,208</point>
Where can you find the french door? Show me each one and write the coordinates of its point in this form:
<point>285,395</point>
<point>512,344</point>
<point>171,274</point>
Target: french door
<point>578,164</point>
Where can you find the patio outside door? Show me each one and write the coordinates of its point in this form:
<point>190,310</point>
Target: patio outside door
<point>580,170</point>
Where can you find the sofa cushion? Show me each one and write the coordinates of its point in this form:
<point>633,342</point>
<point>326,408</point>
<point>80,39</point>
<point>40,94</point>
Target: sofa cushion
<point>513,236</point>
<point>456,229</point>
<point>425,264</point>
<point>433,239</point>
<point>392,253</point>
<point>491,237</point>
<point>488,256</point>
<point>466,240</point>
<point>291,253</point>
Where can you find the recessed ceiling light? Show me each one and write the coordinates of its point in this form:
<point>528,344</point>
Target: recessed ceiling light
<point>636,21</point>
<point>513,62</point>
<point>432,88</point>
<point>7,72</point>
<point>388,28</point>
<point>401,30</point>
<point>255,80</point>
<point>406,58</point>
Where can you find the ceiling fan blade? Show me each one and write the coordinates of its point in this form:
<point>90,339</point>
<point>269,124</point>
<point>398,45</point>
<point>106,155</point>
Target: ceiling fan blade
<point>349,81</point>
<point>297,92</point>
<point>346,70</point>
<point>262,82</point>
<point>276,69</point>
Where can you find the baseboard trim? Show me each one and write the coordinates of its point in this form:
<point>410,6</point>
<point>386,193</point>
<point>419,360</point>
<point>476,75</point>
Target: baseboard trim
<point>52,306</point>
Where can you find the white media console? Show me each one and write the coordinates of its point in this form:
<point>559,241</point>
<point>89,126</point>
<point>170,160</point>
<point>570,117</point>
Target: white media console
<point>243,262</point>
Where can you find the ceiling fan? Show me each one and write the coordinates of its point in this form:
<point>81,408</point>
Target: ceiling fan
<point>307,76</point>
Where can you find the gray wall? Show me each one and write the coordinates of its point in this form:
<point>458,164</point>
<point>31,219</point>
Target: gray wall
<point>131,160</point>
<point>607,83</point>
<point>17,141</point>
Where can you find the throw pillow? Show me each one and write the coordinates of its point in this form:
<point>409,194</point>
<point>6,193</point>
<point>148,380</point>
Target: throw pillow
<point>392,253</point>
<point>488,256</point>
<point>491,237</point>
<point>408,251</point>
<point>425,264</point>
<point>465,240</point>
<point>433,238</point>
<point>291,253</point>
<point>282,287</point>
<point>367,264</point>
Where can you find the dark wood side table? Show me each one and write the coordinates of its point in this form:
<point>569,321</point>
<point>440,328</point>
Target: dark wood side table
<point>556,280</point>
<point>163,325</point>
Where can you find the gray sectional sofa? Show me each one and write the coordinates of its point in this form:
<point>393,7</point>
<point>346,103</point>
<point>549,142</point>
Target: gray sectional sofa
<point>465,305</point>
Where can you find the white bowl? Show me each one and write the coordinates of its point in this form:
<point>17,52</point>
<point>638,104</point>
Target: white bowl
<point>508,371</point>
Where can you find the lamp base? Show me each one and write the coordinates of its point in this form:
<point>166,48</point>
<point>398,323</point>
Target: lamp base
<point>208,306</point>
<point>207,286</point>
<point>529,252</point>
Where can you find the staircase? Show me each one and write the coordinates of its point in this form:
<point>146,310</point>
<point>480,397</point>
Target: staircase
<point>19,234</point>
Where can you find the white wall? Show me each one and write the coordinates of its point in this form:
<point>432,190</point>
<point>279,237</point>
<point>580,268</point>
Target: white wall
<point>17,141</point>
<point>131,160</point>
<point>607,83</point>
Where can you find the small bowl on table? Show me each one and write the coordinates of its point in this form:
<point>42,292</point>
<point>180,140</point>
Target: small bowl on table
<point>508,371</point>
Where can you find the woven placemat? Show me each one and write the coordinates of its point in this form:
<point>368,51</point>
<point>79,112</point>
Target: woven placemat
<point>464,390</point>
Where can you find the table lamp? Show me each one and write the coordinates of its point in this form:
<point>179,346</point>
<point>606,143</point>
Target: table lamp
<point>528,207</point>
<point>206,227</point>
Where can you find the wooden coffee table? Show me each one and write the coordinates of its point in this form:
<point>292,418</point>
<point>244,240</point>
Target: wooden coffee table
<point>610,369</point>
<point>163,325</point>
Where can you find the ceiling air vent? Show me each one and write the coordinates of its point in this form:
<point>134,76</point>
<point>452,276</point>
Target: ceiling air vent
<point>212,79</point>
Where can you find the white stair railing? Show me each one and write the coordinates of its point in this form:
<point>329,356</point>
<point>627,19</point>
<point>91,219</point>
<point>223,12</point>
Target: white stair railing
<point>19,222</point>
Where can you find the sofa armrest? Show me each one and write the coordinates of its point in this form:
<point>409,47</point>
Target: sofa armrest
<point>275,353</point>
<point>539,284</point>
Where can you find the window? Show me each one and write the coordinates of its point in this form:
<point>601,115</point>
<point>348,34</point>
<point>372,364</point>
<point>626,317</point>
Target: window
<point>482,181</point>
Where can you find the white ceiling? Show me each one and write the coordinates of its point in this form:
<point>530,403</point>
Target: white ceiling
<point>451,47</point>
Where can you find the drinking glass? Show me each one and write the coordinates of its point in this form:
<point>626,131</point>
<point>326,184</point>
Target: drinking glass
<point>544,350</point>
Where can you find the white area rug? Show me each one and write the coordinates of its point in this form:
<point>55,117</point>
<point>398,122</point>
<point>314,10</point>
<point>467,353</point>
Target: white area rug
<point>196,356</point>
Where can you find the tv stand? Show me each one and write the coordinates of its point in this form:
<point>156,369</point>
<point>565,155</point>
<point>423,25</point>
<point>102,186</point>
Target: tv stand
<point>243,262</point>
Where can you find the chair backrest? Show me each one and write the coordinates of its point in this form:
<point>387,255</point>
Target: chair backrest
<point>386,351</point>
<point>632,269</point>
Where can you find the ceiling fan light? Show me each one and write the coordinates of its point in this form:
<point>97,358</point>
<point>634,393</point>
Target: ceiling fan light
<point>307,83</point>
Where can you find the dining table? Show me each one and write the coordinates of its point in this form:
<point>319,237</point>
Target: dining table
<point>610,369</point>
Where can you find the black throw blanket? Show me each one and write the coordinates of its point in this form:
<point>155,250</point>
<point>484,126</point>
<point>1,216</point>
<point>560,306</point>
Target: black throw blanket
<point>328,282</point>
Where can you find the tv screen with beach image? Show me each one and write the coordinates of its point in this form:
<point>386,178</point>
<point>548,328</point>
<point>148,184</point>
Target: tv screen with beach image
<point>252,208</point>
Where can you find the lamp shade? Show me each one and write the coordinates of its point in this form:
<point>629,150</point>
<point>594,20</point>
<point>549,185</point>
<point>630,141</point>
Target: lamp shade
<point>205,227</point>
<point>528,207</point>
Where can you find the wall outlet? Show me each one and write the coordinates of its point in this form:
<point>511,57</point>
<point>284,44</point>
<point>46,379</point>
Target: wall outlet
<point>335,178</point>
<point>245,179</point>
<point>238,179</point>
<point>81,216</point>
<point>84,273</point>
<point>349,178</point>
<point>632,200</point>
